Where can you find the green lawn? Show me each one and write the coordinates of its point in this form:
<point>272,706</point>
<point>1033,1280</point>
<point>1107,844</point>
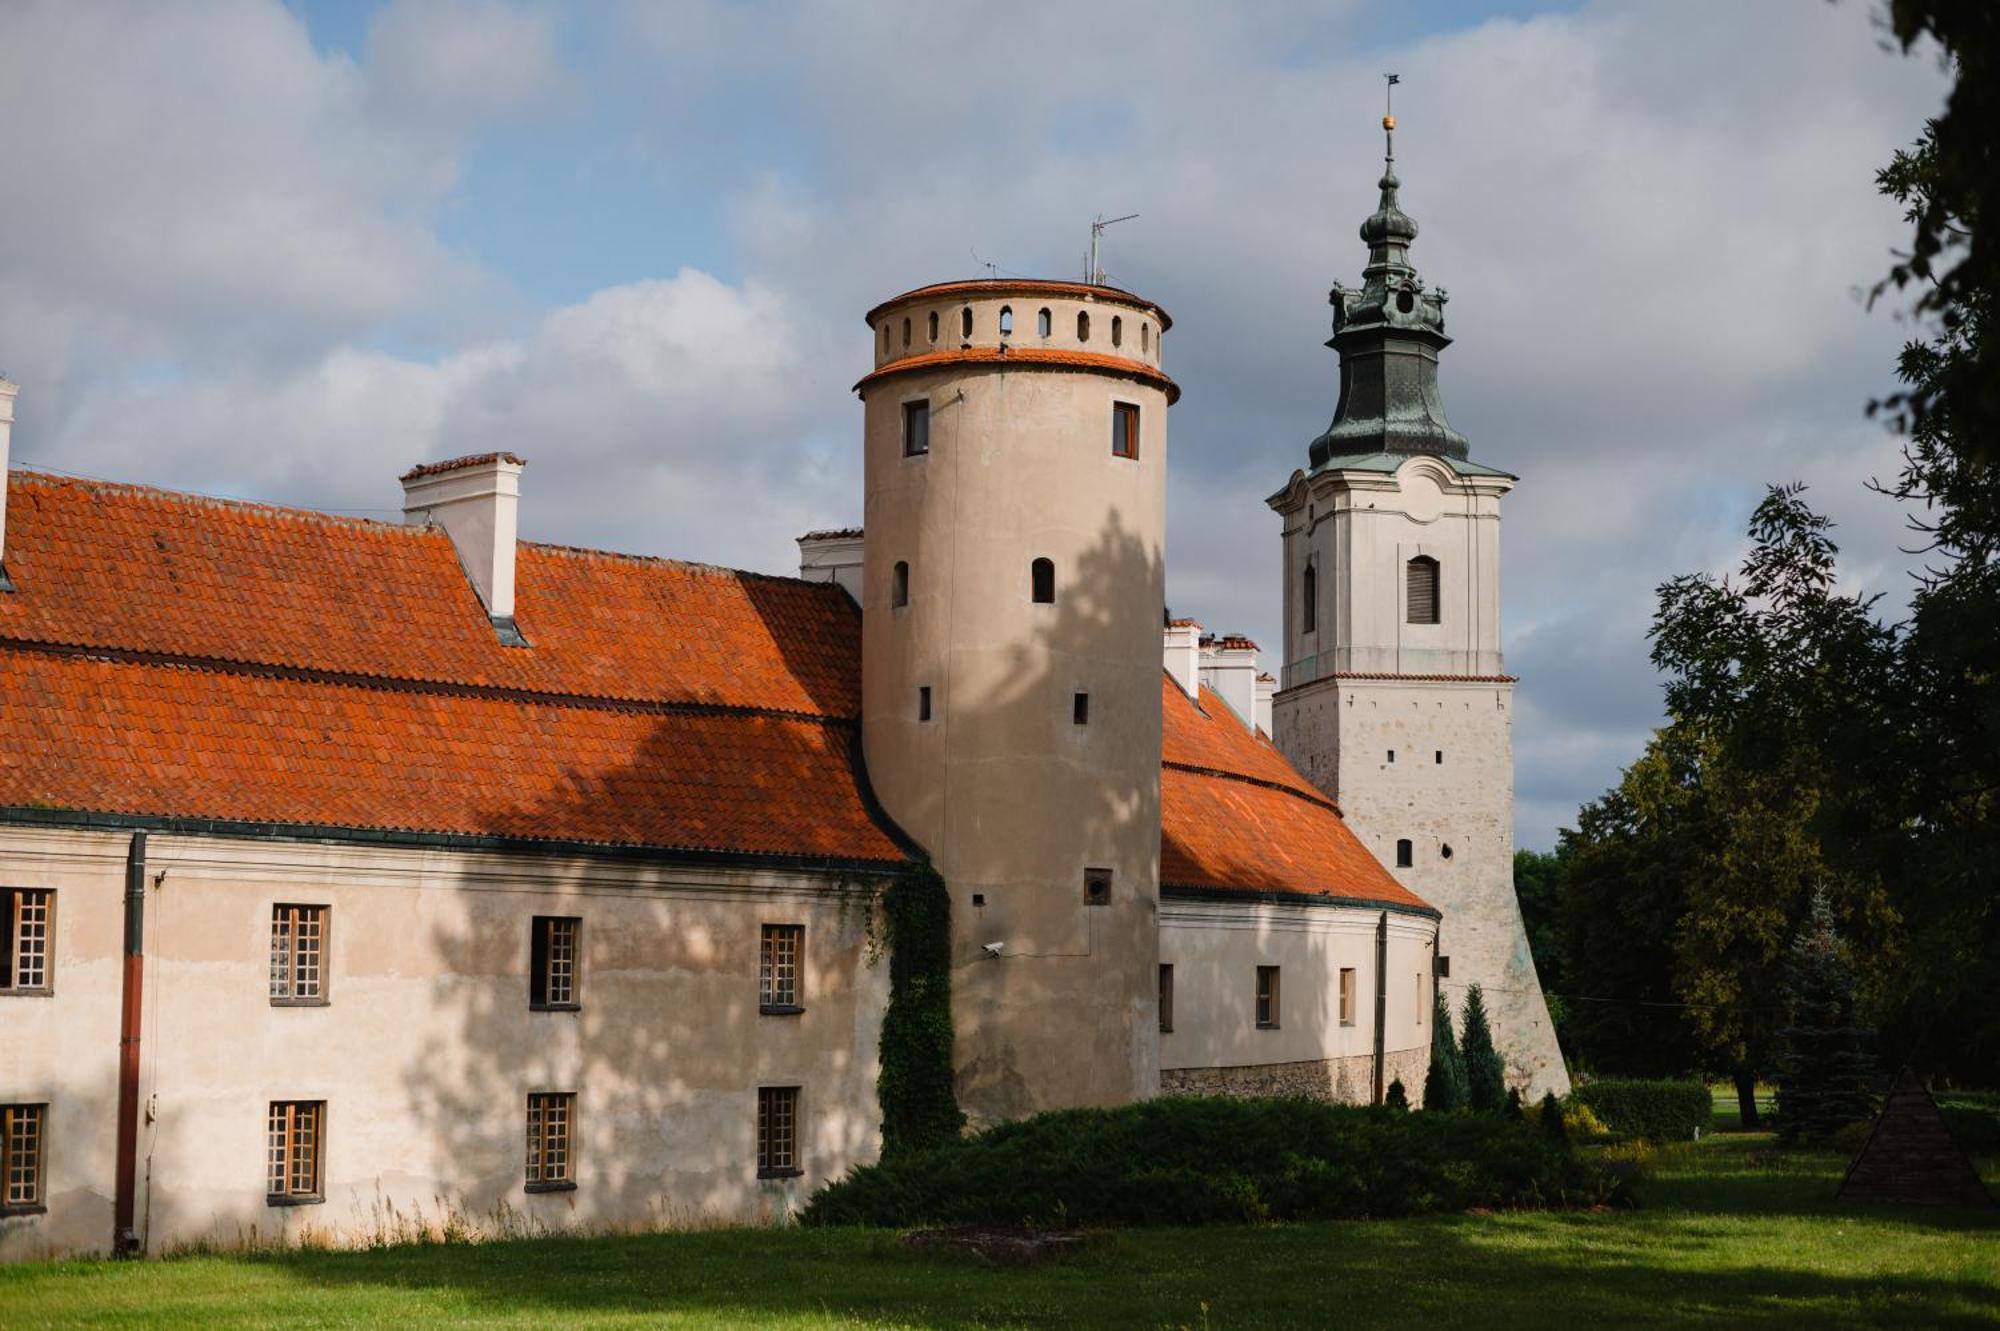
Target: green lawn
<point>1733,1231</point>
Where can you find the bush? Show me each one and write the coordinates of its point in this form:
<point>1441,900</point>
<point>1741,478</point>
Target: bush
<point>1575,1122</point>
<point>1215,1161</point>
<point>1485,1074</point>
<point>1974,1120</point>
<point>1660,1110</point>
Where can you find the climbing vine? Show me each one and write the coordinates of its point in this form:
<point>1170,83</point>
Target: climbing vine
<point>919,1106</point>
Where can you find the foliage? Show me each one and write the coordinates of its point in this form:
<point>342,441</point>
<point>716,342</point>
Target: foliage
<point>914,1088</point>
<point>1827,1078</point>
<point>1513,1108</point>
<point>1214,1161</point>
<point>1548,1119</point>
<point>1396,1097</point>
<point>1445,1085</point>
<point>1485,1074</point>
<point>1535,875</point>
<point>1974,1120</point>
<point>1573,1121</point>
<point>1660,1110</point>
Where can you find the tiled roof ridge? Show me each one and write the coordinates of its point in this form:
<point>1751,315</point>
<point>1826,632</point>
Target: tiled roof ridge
<point>417,685</point>
<point>1223,774</point>
<point>667,561</point>
<point>1425,679</point>
<point>297,512</point>
<point>444,465</point>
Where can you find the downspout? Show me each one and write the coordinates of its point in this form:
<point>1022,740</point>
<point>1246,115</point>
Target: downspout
<point>1381,1000</point>
<point>125,1234</point>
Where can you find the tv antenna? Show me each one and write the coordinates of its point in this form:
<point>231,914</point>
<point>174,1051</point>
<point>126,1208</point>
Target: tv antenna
<point>1092,273</point>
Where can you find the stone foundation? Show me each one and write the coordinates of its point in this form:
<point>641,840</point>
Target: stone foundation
<point>1335,1080</point>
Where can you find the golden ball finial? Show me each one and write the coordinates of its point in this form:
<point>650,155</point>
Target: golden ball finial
<point>1388,122</point>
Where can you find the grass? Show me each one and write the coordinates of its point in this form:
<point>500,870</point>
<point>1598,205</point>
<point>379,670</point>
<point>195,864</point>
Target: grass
<point>1734,1231</point>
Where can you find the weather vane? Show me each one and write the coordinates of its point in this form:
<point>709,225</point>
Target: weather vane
<point>1389,82</point>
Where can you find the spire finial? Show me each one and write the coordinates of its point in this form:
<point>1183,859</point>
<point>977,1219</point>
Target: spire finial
<point>1389,82</point>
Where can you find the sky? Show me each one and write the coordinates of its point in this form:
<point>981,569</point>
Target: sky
<point>283,251</point>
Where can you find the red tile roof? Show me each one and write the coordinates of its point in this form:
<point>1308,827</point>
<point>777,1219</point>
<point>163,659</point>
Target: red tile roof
<point>188,657</point>
<point>1025,358</point>
<point>1236,816</point>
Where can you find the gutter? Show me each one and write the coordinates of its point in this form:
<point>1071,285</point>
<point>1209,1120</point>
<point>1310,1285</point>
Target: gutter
<point>1381,1001</point>
<point>125,1234</point>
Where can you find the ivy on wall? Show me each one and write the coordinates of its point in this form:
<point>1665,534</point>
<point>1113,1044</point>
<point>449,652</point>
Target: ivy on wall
<point>919,1105</point>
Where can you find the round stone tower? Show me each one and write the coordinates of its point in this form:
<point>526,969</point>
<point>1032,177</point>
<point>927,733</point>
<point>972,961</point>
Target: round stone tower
<point>1013,583</point>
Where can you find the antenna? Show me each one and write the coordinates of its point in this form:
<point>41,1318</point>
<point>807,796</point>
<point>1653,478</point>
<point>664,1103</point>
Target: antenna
<point>992,269</point>
<point>1092,273</point>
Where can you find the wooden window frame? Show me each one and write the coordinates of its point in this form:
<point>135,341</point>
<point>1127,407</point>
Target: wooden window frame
<point>1268,998</point>
<point>27,1195</point>
<point>917,408</point>
<point>1347,996</point>
<point>776,1130</point>
<point>774,998</point>
<point>283,1184</point>
<point>15,905</point>
<point>542,961</point>
<point>289,955</point>
<point>1166,997</point>
<point>1125,430</point>
<point>551,1161</point>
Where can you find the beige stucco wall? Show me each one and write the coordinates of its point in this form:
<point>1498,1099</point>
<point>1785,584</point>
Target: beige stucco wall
<point>427,1050</point>
<point>1011,798</point>
<point>1215,948</point>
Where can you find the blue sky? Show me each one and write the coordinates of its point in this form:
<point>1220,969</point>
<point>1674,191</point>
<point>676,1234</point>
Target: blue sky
<point>283,251</point>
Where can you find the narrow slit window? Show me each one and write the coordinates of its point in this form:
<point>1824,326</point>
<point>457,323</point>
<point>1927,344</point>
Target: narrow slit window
<point>1079,711</point>
<point>1309,600</point>
<point>934,325</point>
<point>1006,321</point>
<point>1347,995</point>
<point>1166,997</point>
<point>782,953</point>
<point>551,1141</point>
<point>1117,330</point>
<point>1267,998</point>
<point>23,1149</point>
<point>924,703</point>
<point>916,427</point>
<point>965,322</point>
<point>778,1132</point>
<point>885,338</point>
<point>1124,430</point>
<point>298,954</point>
<point>1392,755</point>
<point>906,331</point>
<point>295,1141</point>
<point>1405,853</point>
<point>1045,323</point>
<point>1421,577</point>
<point>1145,338</point>
<point>27,929</point>
<point>552,961</point>
<point>1438,758</point>
<point>1042,581</point>
<point>1083,325</point>
<point>899,585</point>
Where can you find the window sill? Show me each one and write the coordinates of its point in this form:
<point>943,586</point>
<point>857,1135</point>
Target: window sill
<point>780,1173</point>
<point>32,1208</point>
<point>287,1199</point>
<point>301,1002</point>
<point>779,1009</point>
<point>567,1185</point>
<point>555,1007</point>
<point>1267,1025</point>
<point>44,992</point>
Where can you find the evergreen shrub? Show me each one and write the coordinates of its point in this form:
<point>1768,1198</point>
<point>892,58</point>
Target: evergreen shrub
<point>1485,1073</point>
<point>1660,1110</point>
<point>1215,1161</point>
<point>1444,1084</point>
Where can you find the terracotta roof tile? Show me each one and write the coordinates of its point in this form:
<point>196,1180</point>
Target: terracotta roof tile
<point>460,464</point>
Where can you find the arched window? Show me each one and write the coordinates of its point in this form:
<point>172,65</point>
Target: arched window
<point>885,337</point>
<point>1405,854</point>
<point>1145,337</point>
<point>1006,321</point>
<point>1042,573</point>
<point>1117,331</point>
<point>1420,576</point>
<point>933,325</point>
<point>965,322</point>
<point>899,585</point>
<point>1045,322</point>
<point>1309,600</point>
<point>906,332</point>
<point>1083,325</point>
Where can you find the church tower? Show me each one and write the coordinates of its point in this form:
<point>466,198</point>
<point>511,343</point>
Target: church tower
<point>1013,576</point>
<point>1394,699</point>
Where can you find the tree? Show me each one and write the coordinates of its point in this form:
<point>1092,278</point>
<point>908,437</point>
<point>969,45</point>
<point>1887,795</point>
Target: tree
<point>1827,1076</point>
<point>1444,1084</point>
<point>1535,873</point>
<point>1485,1074</point>
<point>1396,1097</point>
<point>1550,1119</point>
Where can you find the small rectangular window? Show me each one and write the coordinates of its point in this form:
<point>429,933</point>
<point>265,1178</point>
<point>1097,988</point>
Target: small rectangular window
<point>298,952</point>
<point>1392,755</point>
<point>1166,997</point>
<point>1079,711</point>
<point>23,1140</point>
<point>27,926</point>
<point>295,1147</point>
<point>552,961</point>
<point>1347,995</point>
<point>916,428</point>
<point>782,953</point>
<point>778,1132</point>
<point>1097,887</point>
<point>924,703</point>
<point>1405,854</point>
<point>1267,998</point>
<point>551,1136</point>
<point>1438,757</point>
<point>1444,968</point>
<point>1124,430</point>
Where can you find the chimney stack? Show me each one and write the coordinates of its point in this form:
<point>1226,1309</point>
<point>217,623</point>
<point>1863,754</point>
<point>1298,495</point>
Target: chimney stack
<point>476,501</point>
<point>7,391</point>
<point>833,556</point>
<point>1183,655</point>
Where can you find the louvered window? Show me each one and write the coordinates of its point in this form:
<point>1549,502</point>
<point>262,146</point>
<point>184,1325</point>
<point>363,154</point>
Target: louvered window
<point>1421,576</point>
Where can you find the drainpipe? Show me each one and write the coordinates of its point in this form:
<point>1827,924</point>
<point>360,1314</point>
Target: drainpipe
<point>125,1234</point>
<point>1381,1000</point>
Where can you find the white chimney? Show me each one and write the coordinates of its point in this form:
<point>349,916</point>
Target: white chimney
<point>476,501</point>
<point>833,556</point>
<point>1229,666</point>
<point>1266,686</point>
<point>7,391</point>
<point>1183,655</point>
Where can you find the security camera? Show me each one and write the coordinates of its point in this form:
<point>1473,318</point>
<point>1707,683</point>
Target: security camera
<point>992,949</point>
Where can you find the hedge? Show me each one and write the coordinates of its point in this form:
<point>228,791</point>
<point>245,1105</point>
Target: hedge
<point>1216,1161</point>
<point>1660,1110</point>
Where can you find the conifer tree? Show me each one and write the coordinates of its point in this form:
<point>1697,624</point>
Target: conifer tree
<point>1485,1074</point>
<point>1514,1110</point>
<point>1444,1084</point>
<point>1396,1097</point>
<point>1826,1074</point>
<point>1551,1117</point>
